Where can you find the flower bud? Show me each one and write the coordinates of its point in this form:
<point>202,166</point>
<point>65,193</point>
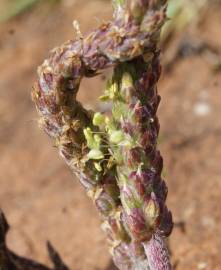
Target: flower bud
<point>122,256</point>
<point>161,190</point>
<point>157,163</point>
<point>138,183</point>
<point>166,223</point>
<point>137,225</point>
<point>129,201</point>
<point>104,202</point>
<point>152,211</point>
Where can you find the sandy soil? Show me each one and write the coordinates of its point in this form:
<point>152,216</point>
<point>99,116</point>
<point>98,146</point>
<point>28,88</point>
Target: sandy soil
<point>41,198</point>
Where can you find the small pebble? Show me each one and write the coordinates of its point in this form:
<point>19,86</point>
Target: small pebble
<point>201,109</point>
<point>202,265</point>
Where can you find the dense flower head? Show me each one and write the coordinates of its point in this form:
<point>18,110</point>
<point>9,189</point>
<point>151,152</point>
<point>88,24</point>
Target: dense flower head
<point>115,156</point>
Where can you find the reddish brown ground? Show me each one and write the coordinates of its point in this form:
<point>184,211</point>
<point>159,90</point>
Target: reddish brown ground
<point>41,198</point>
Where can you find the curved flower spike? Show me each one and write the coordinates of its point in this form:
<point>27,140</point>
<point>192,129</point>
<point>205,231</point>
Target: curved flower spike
<point>86,145</point>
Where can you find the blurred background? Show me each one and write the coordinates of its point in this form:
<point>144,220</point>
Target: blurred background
<point>40,197</point>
